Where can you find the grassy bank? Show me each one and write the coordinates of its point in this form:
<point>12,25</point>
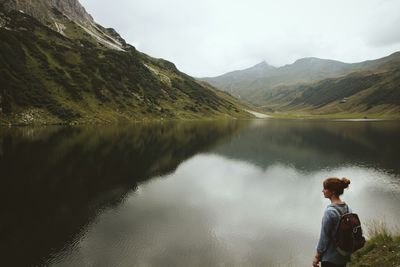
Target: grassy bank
<point>381,249</point>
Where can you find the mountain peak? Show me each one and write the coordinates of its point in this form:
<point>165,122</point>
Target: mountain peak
<point>56,13</point>
<point>262,64</point>
<point>42,9</point>
<point>73,9</point>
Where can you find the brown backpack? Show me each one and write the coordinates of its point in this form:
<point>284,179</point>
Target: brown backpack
<point>349,236</point>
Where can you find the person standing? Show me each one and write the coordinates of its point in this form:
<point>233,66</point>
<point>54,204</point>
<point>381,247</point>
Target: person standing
<point>327,253</point>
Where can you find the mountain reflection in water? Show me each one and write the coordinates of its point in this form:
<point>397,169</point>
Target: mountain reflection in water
<point>188,194</point>
<point>315,145</point>
<point>55,180</point>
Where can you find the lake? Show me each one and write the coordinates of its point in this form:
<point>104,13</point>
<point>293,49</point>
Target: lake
<point>223,193</point>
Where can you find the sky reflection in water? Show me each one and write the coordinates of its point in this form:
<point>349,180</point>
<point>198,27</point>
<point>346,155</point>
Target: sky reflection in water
<point>219,209</point>
<point>187,194</point>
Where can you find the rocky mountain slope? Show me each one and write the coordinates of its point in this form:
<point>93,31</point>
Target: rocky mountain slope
<point>48,12</point>
<point>41,9</point>
<point>57,65</point>
<point>319,86</point>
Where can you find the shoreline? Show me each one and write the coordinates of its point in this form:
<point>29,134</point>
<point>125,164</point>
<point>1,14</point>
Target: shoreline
<point>257,116</point>
<point>335,117</point>
<point>129,122</point>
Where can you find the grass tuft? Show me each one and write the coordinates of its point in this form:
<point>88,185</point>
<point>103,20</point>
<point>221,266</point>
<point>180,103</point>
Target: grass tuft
<point>378,231</point>
<point>381,249</point>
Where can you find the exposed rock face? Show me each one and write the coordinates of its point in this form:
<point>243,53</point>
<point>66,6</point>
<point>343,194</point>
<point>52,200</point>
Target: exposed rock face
<point>41,9</point>
<point>46,12</point>
<point>35,8</point>
<point>73,9</point>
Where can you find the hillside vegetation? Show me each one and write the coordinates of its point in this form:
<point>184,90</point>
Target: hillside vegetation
<point>70,77</point>
<point>317,87</point>
<point>363,93</point>
<point>382,249</point>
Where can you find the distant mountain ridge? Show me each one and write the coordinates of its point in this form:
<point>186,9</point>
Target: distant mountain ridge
<point>57,65</point>
<point>289,88</point>
<point>263,75</point>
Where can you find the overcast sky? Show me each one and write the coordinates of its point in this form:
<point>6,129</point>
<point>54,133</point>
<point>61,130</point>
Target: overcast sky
<point>211,37</point>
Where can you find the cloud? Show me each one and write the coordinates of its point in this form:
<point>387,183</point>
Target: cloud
<point>205,38</point>
<point>381,28</point>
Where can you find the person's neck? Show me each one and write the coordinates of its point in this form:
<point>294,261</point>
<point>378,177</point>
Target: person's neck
<point>336,200</point>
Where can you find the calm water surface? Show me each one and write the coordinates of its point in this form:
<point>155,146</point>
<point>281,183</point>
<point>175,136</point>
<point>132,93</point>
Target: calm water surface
<point>187,194</point>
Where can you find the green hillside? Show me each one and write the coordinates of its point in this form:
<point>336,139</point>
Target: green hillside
<point>322,88</point>
<point>262,77</point>
<point>71,77</point>
<point>360,93</point>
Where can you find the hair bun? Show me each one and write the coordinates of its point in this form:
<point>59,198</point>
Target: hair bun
<point>345,182</point>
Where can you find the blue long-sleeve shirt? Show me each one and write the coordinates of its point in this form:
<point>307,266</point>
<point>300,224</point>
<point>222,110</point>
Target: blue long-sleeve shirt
<point>330,222</point>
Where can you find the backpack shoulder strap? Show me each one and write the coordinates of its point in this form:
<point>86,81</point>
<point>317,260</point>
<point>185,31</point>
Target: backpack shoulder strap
<point>348,209</point>
<point>340,213</point>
